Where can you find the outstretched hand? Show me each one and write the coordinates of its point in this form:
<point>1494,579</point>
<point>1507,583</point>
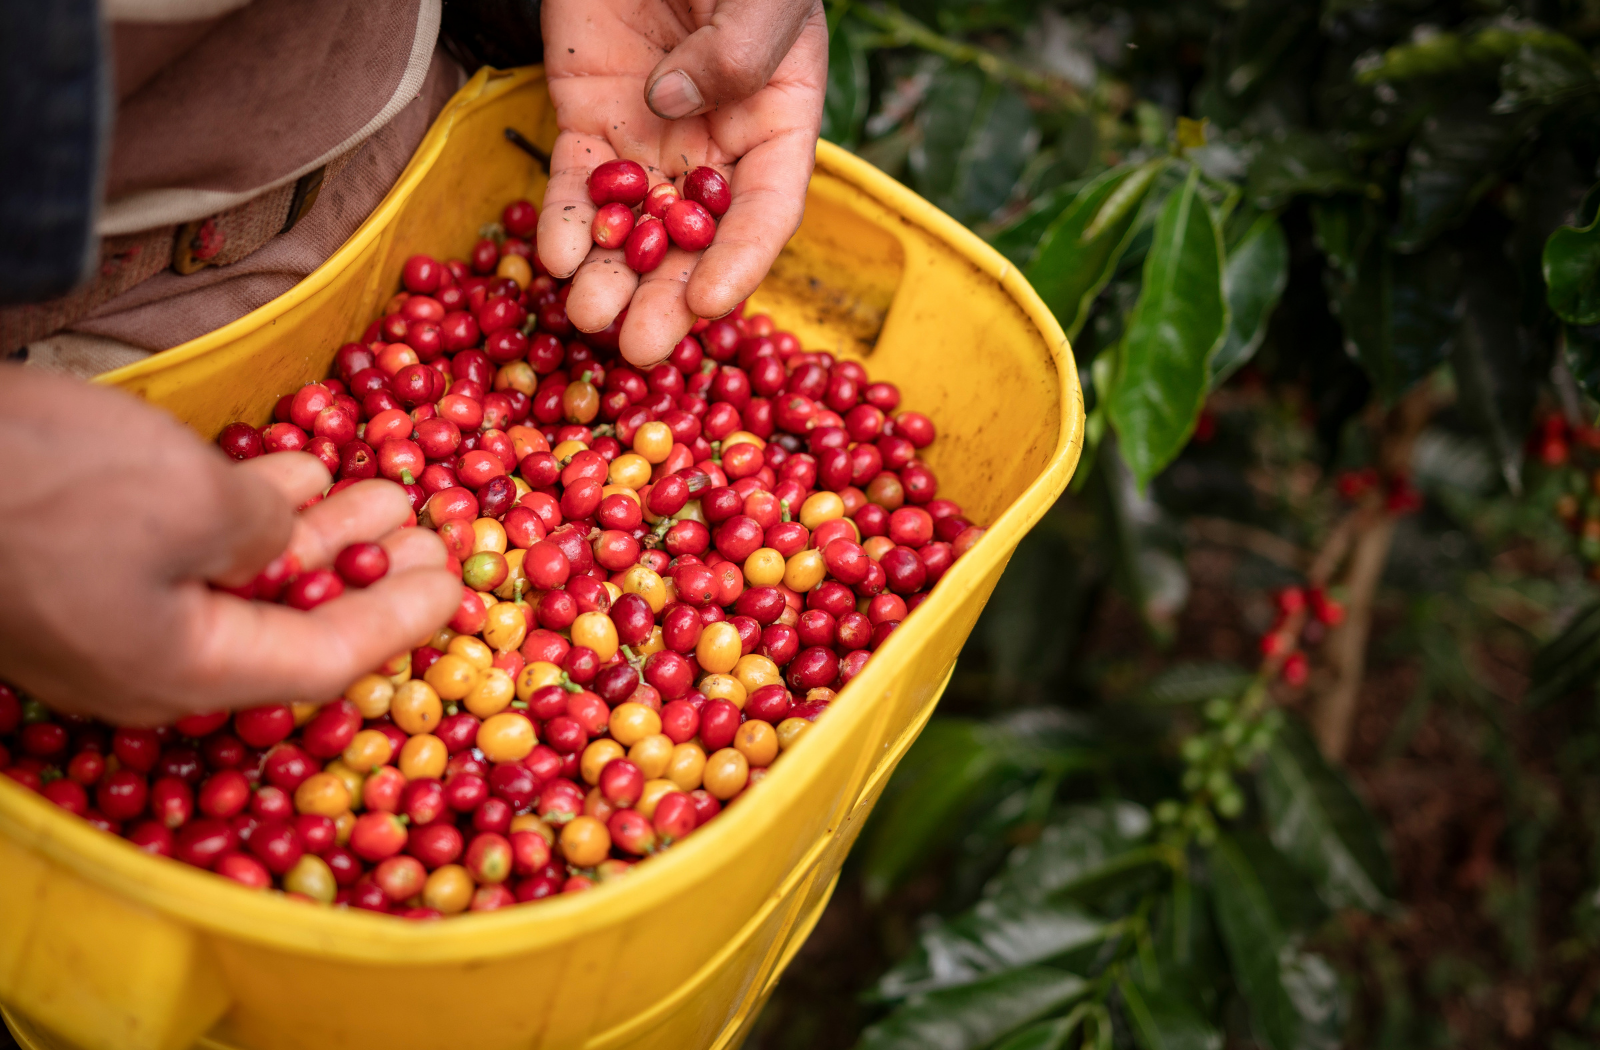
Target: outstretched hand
<point>734,84</point>
<point>117,516</point>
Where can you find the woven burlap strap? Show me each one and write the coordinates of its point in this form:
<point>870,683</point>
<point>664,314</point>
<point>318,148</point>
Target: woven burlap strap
<point>129,259</point>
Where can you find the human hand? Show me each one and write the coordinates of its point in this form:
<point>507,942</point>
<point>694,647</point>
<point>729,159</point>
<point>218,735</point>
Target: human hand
<point>734,84</point>
<point>116,516</point>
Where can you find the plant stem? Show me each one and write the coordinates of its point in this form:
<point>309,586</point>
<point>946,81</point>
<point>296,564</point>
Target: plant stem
<point>908,32</point>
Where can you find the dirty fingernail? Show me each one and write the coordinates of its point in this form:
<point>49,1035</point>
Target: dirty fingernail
<point>674,95</point>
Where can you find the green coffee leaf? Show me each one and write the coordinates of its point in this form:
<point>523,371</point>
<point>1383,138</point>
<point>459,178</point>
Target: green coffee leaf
<point>1162,1020</point>
<point>1079,250</point>
<point>1194,683</point>
<point>1543,76</point>
<point>1296,163</point>
<point>844,109</point>
<point>1046,1035</point>
<point>1572,273</point>
<point>1255,274</point>
<point>1294,998</point>
<point>1397,315</point>
<point>1568,661</point>
<point>975,1015</point>
<point>1457,155</point>
<point>1317,821</point>
<point>994,936</point>
<point>950,763</point>
<point>1175,328</point>
<point>1018,240</point>
<point>1083,847</point>
<point>1497,362</point>
<point>976,137</point>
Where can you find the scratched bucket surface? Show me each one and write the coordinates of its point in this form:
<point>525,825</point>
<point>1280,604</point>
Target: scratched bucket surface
<point>105,948</point>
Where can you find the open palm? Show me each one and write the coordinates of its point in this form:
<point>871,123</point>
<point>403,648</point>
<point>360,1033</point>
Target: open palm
<point>745,81</point>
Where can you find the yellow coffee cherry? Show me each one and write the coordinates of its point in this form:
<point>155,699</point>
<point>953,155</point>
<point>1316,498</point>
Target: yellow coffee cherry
<point>804,571</point>
<point>764,568</point>
<point>595,757</point>
<point>820,507</point>
<point>647,584</point>
<point>535,676</point>
<point>311,877</point>
<point>488,535</point>
<point>585,842</point>
<point>423,756</point>
<point>322,795</point>
<point>596,631</point>
<point>688,766</point>
<point>352,780</point>
<point>493,693</point>
<point>371,694</point>
<point>652,755</point>
<point>757,742</point>
<point>518,269</point>
<point>724,687</point>
<point>506,737</point>
<point>629,471</point>
<point>449,888</point>
<point>754,671</point>
<point>416,707</point>
<point>719,648</point>
<point>516,577</point>
<point>472,650</point>
<point>877,546</point>
<point>654,792</point>
<point>567,449</point>
<point>506,627</point>
<point>726,773</point>
<point>790,730</point>
<point>452,678</point>
<point>742,437</point>
<point>368,750</point>
<point>631,723</point>
<point>653,644</point>
<point>653,442</point>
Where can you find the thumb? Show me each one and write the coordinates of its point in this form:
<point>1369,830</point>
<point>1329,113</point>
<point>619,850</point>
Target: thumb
<point>726,60</point>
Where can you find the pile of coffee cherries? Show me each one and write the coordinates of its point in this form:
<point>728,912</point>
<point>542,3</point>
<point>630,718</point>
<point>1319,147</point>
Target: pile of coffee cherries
<point>688,220</point>
<point>667,575</point>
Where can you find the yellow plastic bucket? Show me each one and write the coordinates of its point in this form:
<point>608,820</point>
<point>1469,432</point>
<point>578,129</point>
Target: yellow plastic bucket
<point>105,948</point>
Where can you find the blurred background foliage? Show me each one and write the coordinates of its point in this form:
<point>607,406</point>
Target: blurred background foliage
<point>1279,731</point>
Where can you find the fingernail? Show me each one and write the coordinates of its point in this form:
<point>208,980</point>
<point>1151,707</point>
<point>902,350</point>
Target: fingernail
<point>674,95</point>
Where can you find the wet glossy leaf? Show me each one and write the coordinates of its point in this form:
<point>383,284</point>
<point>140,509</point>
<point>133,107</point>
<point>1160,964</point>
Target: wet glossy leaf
<point>1436,53</point>
<point>1317,821</point>
<point>976,1015</point>
<point>1582,350</point>
<point>1079,250</point>
<point>976,137</point>
<point>844,109</point>
<point>1572,273</point>
<point>1019,239</point>
<point>1497,362</point>
<point>1162,1020</point>
<point>1456,156</point>
<point>994,936</point>
<point>1193,683</point>
<point>1175,328</point>
<point>951,761</point>
<point>1046,1035</point>
<point>1398,315</point>
<point>1296,163</point>
<point>1294,999</point>
<point>1543,76</point>
<point>1568,661</point>
<point>1254,276</point>
<point>1082,847</point>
